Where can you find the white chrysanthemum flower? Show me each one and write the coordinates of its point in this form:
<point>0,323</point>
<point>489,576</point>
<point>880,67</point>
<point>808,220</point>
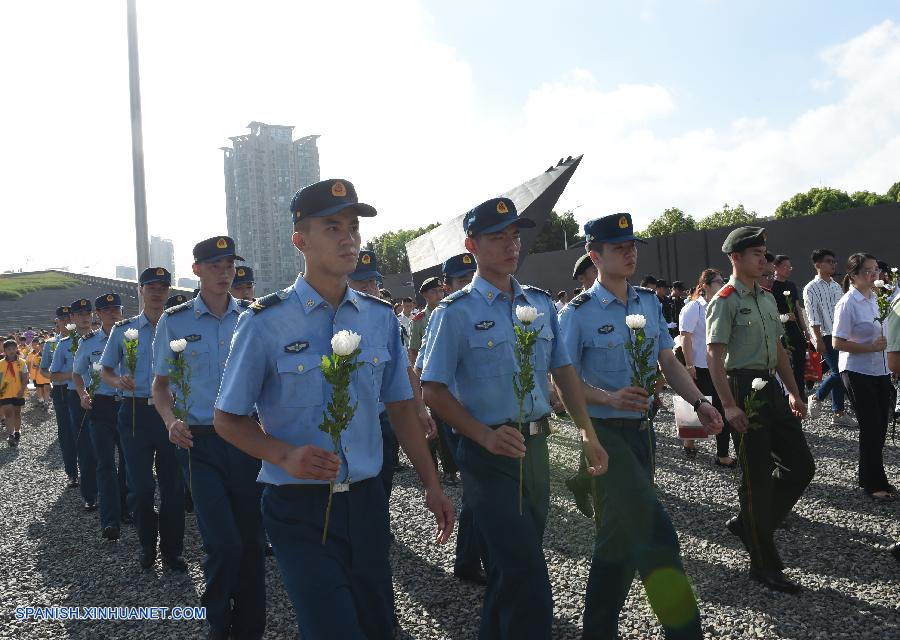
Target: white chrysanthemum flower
<point>131,334</point>
<point>635,321</point>
<point>786,294</point>
<point>70,327</point>
<point>527,315</point>
<point>893,269</point>
<point>345,342</point>
<point>97,367</point>
<point>879,283</point>
<point>784,318</point>
<point>178,345</point>
<point>759,384</point>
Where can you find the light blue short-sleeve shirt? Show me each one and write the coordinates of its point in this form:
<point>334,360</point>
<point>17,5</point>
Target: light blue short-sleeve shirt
<point>114,354</point>
<point>275,368</point>
<point>471,342</point>
<point>90,349</point>
<point>62,361</point>
<point>594,331</point>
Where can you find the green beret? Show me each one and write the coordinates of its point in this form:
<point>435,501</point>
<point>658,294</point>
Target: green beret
<point>744,238</point>
<point>430,283</point>
<point>581,266</point>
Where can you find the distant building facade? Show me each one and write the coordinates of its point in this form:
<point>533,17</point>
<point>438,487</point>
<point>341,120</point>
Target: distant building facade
<point>263,170</point>
<point>162,253</point>
<point>126,273</point>
<point>188,283</point>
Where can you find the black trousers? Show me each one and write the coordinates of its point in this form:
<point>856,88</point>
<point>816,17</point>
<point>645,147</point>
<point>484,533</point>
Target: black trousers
<point>871,397</point>
<point>797,353</point>
<point>706,387</point>
<point>767,495</point>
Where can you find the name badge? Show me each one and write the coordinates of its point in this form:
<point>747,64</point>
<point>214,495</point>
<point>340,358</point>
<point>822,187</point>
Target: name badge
<point>746,312</point>
<point>484,325</point>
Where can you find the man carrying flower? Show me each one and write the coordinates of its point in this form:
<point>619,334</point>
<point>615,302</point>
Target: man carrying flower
<point>474,342</point>
<point>222,478</point>
<point>342,588</point>
<point>743,331</point>
<point>617,334</point>
<point>58,392</point>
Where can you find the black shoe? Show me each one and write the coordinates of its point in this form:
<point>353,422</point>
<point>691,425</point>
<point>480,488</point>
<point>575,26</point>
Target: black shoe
<point>581,491</point>
<point>90,505</point>
<point>269,551</point>
<point>895,551</point>
<point>774,580</point>
<point>127,518</point>
<point>730,465</point>
<point>690,452</point>
<point>188,502</point>
<point>736,527</point>
<point>475,577</point>
<point>175,564</point>
<point>786,524</point>
<point>147,557</point>
<point>451,479</point>
<point>111,533</point>
<point>11,441</point>
<point>73,482</point>
<point>17,435</point>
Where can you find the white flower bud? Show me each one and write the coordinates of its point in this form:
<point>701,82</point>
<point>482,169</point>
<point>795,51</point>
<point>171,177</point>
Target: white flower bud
<point>786,294</point>
<point>784,318</point>
<point>178,345</point>
<point>345,342</point>
<point>759,384</point>
<point>635,321</point>
<point>893,269</point>
<point>97,367</point>
<point>131,334</point>
<point>527,315</point>
<point>879,283</point>
<point>70,327</point>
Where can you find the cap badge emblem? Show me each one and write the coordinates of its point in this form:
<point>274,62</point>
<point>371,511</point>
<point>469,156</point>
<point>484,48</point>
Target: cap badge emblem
<point>366,259</point>
<point>221,243</point>
<point>339,190</point>
<point>502,209</point>
<point>623,222</point>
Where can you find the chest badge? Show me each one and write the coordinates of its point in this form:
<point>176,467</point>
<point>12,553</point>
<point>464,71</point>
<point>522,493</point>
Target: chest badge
<point>96,353</point>
<point>484,325</point>
<point>607,328</point>
<point>193,337</point>
<point>296,347</point>
<point>746,311</point>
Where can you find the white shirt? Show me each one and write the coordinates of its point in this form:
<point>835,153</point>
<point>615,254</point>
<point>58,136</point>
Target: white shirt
<point>855,320</point>
<point>820,299</point>
<point>692,320</point>
<point>405,321</point>
<point>559,305</point>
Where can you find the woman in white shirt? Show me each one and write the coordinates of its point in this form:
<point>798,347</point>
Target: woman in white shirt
<point>692,325</point>
<point>859,338</point>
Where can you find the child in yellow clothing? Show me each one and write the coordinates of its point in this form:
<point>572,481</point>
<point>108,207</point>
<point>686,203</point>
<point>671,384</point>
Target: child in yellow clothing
<point>41,382</point>
<point>13,382</point>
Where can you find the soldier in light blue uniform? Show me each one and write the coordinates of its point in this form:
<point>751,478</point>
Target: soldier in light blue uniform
<point>634,532</point>
<point>58,396</point>
<point>145,440</point>
<point>243,284</point>
<point>471,560</point>
<point>103,411</point>
<point>61,371</point>
<point>471,343</point>
<point>342,588</point>
<point>222,478</point>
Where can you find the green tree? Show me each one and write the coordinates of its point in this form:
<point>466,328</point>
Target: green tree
<point>557,229</point>
<point>390,248</point>
<point>672,220</point>
<point>728,217</point>
<point>869,199</point>
<point>815,201</point>
<point>893,194</point>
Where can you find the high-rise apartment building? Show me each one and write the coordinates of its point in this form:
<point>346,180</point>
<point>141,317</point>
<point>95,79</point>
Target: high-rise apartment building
<point>263,170</point>
<point>162,253</point>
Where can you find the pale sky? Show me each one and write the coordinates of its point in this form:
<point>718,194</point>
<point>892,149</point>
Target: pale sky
<point>430,107</point>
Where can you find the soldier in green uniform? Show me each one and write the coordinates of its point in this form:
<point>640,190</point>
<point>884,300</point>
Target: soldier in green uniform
<point>743,333</point>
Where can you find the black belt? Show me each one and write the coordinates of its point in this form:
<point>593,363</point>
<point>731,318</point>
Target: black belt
<point>140,400</point>
<point>106,398</point>
<point>339,487</point>
<point>641,424</point>
<point>756,373</point>
<point>533,427</point>
<point>202,429</point>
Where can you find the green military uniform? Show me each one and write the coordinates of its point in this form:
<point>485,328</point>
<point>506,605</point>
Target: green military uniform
<point>417,330</point>
<point>747,322</point>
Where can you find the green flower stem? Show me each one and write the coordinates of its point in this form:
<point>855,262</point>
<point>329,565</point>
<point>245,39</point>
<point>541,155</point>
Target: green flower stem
<point>523,385</point>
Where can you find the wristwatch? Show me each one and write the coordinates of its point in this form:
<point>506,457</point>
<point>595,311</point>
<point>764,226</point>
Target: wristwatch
<point>700,401</point>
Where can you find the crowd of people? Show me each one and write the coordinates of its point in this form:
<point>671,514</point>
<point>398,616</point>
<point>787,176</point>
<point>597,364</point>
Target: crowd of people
<point>279,420</point>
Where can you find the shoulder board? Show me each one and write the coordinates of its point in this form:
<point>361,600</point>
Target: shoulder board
<point>89,334</point>
<point>178,308</point>
<point>376,298</point>
<point>122,323</point>
<point>61,340</point>
<point>579,300</point>
<point>528,287</point>
<point>244,304</point>
<point>726,291</point>
<point>644,290</point>
<point>456,295</point>
<point>418,316</point>
<point>265,302</point>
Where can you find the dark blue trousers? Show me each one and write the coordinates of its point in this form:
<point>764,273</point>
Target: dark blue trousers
<point>64,429</point>
<point>518,602</point>
<point>390,452</point>
<point>634,533</point>
<point>832,383</point>
<point>222,480</point>
<point>469,558</point>
<point>110,477</point>
<point>341,589</point>
<point>81,435</point>
<point>150,443</point>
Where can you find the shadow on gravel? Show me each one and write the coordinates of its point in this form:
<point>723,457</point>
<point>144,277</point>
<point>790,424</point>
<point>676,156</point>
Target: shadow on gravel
<point>7,454</point>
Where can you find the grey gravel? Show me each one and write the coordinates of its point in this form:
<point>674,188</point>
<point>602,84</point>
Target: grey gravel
<point>51,552</point>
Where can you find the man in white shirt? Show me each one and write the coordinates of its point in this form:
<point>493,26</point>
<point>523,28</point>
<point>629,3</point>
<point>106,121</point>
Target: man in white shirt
<point>405,318</point>
<point>820,297</point>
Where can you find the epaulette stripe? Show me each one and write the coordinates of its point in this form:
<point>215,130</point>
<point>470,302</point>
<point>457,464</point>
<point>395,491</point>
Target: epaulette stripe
<point>179,307</point>
<point>456,295</point>
<point>579,300</point>
<point>265,302</point>
<point>533,288</point>
<point>376,298</point>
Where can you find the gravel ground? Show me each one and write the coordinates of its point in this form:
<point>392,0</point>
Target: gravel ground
<point>52,553</point>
